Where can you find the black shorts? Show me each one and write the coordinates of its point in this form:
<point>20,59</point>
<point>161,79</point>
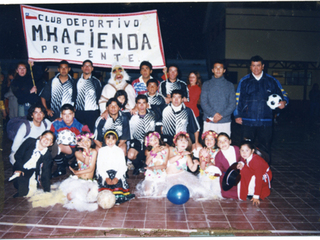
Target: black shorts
<point>136,144</point>
<point>167,139</point>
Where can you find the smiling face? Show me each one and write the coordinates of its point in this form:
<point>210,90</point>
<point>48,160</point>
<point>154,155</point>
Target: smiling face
<point>172,73</point>
<point>246,152</point>
<point>117,73</point>
<point>87,68</point>
<point>113,109</point>
<point>154,141</point>
<point>182,143</point>
<point>152,88</point>
<point>223,142</point>
<point>256,68</point>
<point>110,141</point>
<point>86,142</point>
<point>210,141</point>
<point>46,140</point>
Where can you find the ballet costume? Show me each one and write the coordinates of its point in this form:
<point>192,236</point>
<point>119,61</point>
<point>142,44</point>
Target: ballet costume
<point>185,178</point>
<point>154,183</point>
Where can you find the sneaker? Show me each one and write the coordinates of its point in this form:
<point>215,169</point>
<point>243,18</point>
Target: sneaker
<point>130,165</point>
<point>136,172</point>
<point>142,170</point>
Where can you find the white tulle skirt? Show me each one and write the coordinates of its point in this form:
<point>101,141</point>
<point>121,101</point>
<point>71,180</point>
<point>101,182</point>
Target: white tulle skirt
<point>83,193</point>
<point>153,186</point>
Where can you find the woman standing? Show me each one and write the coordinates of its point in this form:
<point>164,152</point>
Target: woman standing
<point>194,86</point>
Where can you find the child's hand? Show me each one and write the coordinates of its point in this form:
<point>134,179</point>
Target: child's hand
<point>204,152</point>
<point>109,181</point>
<point>196,163</point>
<point>240,165</point>
<point>149,168</point>
<point>114,181</point>
<point>255,202</point>
<point>72,170</point>
<point>185,153</point>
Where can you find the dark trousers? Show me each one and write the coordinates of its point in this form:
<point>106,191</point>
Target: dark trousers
<point>88,118</point>
<point>263,135</point>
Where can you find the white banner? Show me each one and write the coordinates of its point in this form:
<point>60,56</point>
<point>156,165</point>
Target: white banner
<point>103,38</point>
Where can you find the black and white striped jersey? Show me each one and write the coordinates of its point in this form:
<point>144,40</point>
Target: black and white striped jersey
<point>182,120</point>
<point>120,125</point>
<point>139,126</point>
<point>166,87</point>
<point>157,103</point>
<point>86,95</point>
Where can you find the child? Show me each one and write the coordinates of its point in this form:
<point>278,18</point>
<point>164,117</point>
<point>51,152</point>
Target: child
<point>255,174</point>
<point>111,169</point>
<point>224,159</point>
<point>179,159</point>
<point>122,97</point>
<point>33,162</point>
<point>209,173</point>
<point>81,191</point>
<point>156,161</point>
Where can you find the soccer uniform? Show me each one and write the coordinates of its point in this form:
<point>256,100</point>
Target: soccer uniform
<point>181,119</point>
<point>58,94</point>
<point>157,104</point>
<point>166,87</point>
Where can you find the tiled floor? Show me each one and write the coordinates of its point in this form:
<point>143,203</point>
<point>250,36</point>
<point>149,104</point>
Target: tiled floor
<point>293,208</point>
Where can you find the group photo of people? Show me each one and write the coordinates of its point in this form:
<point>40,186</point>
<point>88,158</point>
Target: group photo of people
<point>90,137</point>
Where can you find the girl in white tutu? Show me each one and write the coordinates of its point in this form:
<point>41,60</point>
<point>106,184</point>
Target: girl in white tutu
<point>81,190</point>
<point>209,173</point>
<point>156,160</point>
<point>179,160</point>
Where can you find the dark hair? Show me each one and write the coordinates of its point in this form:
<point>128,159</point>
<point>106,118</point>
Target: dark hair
<point>219,62</point>
<point>256,58</point>
<point>173,65</point>
<point>113,100</point>
<point>141,96</point>
<point>93,145</point>
<point>122,93</point>
<point>63,62</point>
<point>33,108</point>
<point>48,131</point>
<point>152,80</point>
<point>146,63</point>
<point>22,63</point>
<point>89,61</point>
<point>249,144</point>
<point>198,76</point>
<point>113,133</point>
<point>177,91</point>
<point>223,134</point>
<point>161,143</point>
<point>67,106</point>
<point>189,147</point>
<point>203,141</point>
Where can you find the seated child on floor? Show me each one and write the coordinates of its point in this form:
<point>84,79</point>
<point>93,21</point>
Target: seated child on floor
<point>111,169</point>
<point>81,190</point>
<point>226,156</point>
<point>209,173</point>
<point>179,159</point>
<point>156,161</point>
<point>33,163</point>
<point>255,174</point>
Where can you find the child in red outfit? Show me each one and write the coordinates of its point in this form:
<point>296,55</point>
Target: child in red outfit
<point>255,174</point>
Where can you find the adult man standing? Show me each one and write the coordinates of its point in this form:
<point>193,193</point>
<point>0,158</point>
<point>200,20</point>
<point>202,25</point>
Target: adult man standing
<point>252,111</point>
<point>173,83</point>
<point>114,120</point>
<point>218,101</point>
<point>58,91</point>
<point>88,91</point>
<point>176,117</point>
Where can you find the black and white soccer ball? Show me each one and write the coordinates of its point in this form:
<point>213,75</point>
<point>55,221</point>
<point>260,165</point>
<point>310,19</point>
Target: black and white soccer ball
<point>66,137</point>
<point>273,101</point>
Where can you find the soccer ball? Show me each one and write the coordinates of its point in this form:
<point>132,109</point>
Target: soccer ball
<point>106,199</point>
<point>66,137</point>
<point>273,101</point>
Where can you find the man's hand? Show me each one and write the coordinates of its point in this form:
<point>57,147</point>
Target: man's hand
<point>255,202</point>
<point>50,112</point>
<point>239,120</point>
<point>185,99</point>
<point>33,89</point>
<point>168,99</point>
<point>282,104</point>
<point>217,117</point>
<point>104,115</point>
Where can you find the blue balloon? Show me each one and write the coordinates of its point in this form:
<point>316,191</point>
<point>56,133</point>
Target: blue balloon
<point>178,194</point>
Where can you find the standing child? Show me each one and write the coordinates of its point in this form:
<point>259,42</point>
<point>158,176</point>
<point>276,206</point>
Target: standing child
<point>33,163</point>
<point>255,174</point>
<point>209,173</point>
<point>156,161</point>
<point>179,159</point>
<point>81,190</point>
<point>111,169</point>
<point>224,159</point>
